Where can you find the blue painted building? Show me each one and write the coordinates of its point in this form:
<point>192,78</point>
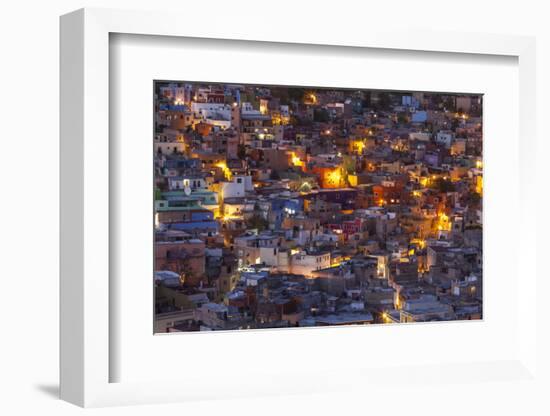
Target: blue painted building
<point>196,226</point>
<point>419,116</point>
<point>282,206</point>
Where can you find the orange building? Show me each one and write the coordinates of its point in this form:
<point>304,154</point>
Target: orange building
<point>330,176</point>
<point>203,129</point>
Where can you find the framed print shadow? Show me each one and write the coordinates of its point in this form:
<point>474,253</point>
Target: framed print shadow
<point>284,207</point>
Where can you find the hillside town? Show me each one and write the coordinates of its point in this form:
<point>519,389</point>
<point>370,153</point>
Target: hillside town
<point>278,207</point>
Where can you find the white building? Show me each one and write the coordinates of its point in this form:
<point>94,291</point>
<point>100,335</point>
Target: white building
<point>212,111</point>
<point>424,137</point>
<point>181,182</point>
<point>305,263</point>
<point>168,147</point>
<point>237,187</point>
<point>274,257</point>
<point>382,266</point>
<point>327,237</point>
<point>425,308</point>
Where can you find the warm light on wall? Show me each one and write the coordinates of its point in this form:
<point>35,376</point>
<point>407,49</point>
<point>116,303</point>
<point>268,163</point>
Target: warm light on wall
<point>479,184</point>
<point>357,146</point>
<point>295,160</point>
<point>311,98</point>
<point>397,301</point>
<point>224,218</point>
<point>443,222</point>
<point>225,169</point>
<point>352,180</point>
<point>332,178</point>
<point>278,119</point>
<point>419,242</point>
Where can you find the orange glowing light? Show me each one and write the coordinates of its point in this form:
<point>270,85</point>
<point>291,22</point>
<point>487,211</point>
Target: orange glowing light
<point>332,178</point>
<point>226,171</point>
<point>295,160</point>
<point>311,98</point>
<point>443,222</point>
<point>419,242</point>
<point>357,146</point>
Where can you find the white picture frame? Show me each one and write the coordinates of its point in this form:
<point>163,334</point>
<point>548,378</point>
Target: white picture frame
<point>86,355</point>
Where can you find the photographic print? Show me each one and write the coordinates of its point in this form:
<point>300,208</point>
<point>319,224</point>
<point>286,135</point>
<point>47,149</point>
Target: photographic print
<point>291,207</point>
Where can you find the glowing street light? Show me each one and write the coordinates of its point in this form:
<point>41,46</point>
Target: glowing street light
<point>310,98</point>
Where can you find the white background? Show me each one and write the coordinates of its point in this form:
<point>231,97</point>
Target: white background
<point>29,163</point>
<point>135,63</point>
